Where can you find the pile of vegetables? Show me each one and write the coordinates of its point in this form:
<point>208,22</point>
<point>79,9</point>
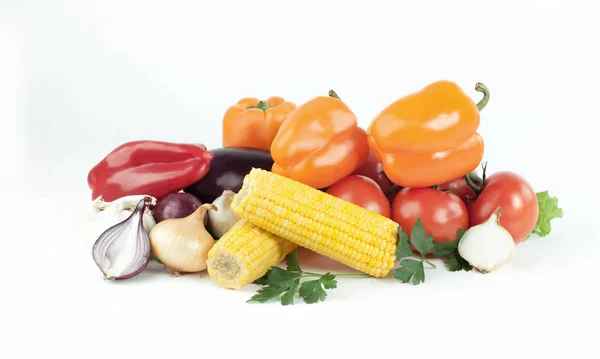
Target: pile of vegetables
<point>416,164</point>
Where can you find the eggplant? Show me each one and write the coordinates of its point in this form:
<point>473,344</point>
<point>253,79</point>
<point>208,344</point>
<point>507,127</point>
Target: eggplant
<point>227,171</point>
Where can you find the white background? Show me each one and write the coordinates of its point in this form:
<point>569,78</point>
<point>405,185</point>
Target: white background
<point>79,78</point>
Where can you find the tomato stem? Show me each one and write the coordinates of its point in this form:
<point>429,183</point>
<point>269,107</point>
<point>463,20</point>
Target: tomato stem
<point>472,184</point>
<point>486,95</point>
<point>391,190</point>
<point>333,94</point>
<point>475,178</point>
<point>484,168</point>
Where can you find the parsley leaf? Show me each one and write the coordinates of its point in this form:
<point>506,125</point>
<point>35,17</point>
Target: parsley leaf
<point>280,277</point>
<point>447,248</point>
<point>262,280</point>
<point>278,282</point>
<point>329,281</point>
<point>422,242</point>
<point>457,263</point>
<point>288,297</point>
<point>548,211</point>
<point>284,284</point>
<point>413,269</point>
<point>444,249</point>
<point>404,248</point>
<point>312,291</point>
<point>267,293</point>
<point>410,269</point>
<point>292,262</point>
<point>450,249</point>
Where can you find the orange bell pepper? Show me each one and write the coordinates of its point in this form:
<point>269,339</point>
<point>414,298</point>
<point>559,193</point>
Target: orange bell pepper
<point>319,143</point>
<point>253,124</point>
<point>429,137</point>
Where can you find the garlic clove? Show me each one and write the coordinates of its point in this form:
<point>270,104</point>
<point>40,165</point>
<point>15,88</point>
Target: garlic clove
<point>487,246</point>
<point>221,221</point>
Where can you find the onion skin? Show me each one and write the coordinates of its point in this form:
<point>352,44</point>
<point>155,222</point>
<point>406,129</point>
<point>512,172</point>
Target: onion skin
<point>106,248</point>
<point>182,244</point>
<point>177,205</point>
<point>487,246</point>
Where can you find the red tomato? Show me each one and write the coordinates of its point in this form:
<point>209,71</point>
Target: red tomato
<point>442,214</point>
<point>517,199</point>
<point>460,187</point>
<point>374,170</point>
<point>362,191</point>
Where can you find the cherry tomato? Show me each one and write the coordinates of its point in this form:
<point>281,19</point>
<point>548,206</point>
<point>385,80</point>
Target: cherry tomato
<point>517,200</point>
<point>362,191</point>
<point>460,187</point>
<point>442,213</point>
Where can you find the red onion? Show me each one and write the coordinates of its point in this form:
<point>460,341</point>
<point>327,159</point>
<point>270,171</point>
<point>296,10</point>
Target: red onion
<point>176,205</point>
<point>123,250</point>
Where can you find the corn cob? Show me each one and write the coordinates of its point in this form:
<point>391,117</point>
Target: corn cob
<point>338,229</point>
<point>244,254</point>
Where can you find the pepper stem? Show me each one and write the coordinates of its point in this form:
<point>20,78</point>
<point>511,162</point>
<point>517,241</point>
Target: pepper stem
<point>486,95</point>
<point>333,94</point>
<point>262,105</point>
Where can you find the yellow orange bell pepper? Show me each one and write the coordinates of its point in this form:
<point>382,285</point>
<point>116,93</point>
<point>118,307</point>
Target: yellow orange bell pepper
<point>429,137</point>
<point>253,123</point>
<point>319,143</point>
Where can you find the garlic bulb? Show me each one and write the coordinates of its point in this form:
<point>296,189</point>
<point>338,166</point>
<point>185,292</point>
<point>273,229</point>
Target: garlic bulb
<point>487,246</point>
<point>221,221</point>
<point>106,214</point>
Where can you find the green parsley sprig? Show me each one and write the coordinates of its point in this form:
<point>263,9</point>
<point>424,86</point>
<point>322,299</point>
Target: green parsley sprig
<point>449,249</point>
<point>285,284</point>
<point>412,267</point>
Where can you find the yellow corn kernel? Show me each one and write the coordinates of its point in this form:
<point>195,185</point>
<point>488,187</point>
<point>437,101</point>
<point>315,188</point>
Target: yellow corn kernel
<point>244,254</point>
<point>343,231</point>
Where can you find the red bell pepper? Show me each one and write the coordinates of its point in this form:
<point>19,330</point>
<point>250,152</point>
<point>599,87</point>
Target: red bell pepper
<point>152,168</point>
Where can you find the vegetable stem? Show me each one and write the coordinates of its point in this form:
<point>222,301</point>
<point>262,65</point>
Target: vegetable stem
<point>484,168</point>
<point>472,184</point>
<point>348,275</point>
<point>391,190</point>
<point>262,105</point>
<point>333,94</point>
<point>428,262</point>
<point>486,95</point>
<point>475,177</point>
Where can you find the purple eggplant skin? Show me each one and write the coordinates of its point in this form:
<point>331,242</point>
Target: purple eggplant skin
<point>227,171</point>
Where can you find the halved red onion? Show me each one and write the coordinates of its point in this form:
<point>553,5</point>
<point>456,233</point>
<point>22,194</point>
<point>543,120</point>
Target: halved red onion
<point>123,250</point>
